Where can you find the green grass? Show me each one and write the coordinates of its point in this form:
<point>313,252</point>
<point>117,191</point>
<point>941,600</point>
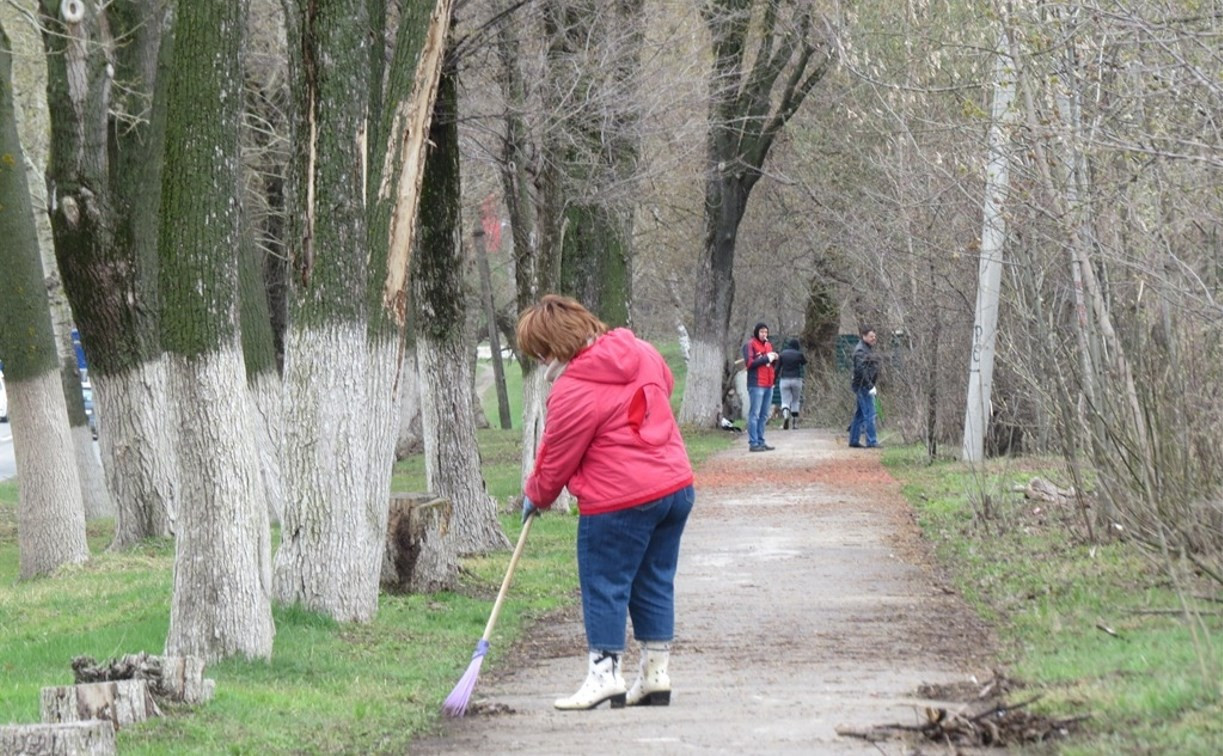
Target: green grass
<point>1025,568</point>
<point>328,687</point>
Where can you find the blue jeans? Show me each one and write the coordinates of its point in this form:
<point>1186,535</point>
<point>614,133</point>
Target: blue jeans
<point>626,565</point>
<point>864,418</point>
<point>760,405</point>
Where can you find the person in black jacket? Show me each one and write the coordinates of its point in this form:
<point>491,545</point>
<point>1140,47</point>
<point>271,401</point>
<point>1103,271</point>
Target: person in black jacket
<point>790,364</point>
<point>866,372</point>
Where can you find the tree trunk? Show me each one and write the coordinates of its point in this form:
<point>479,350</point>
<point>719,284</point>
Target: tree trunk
<point>452,456</point>
<point>747,109</point>
<point>50,513</point>
<point>341,344</point>
<point>220,606</point>
<point>143,470</point>
<point>263,384</point>
<point>33,123</point>
<point>95,737</point>
<point>409,436</point>
<point>107,182</point>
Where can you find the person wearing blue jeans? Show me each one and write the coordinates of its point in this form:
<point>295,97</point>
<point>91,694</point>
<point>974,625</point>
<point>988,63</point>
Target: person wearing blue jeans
<point>611,438</point>
<point>759,359</point>
<point>865,373</point>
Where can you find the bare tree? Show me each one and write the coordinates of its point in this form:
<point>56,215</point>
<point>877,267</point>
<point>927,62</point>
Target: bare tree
<point>452,457</point>
<point>50,514</point>
<point>33,121</point>
<point>748,107</point>
<point>105,175</point>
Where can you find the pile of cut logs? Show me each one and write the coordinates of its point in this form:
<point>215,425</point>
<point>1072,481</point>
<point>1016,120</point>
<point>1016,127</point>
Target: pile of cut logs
<point>83,718</point>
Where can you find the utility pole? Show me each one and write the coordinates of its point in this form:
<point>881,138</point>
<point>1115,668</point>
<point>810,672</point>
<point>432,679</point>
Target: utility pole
<point>989,275</point>
<point>494,339</point>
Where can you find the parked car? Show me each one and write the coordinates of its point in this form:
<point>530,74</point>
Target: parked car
<point>3,400</point>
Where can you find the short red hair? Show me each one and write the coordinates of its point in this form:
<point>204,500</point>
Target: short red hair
<point>557,327</point>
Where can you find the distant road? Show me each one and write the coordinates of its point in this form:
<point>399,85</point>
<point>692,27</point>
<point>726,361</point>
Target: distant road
<point>8,464</point>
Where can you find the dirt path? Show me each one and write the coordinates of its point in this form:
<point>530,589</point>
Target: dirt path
<point>805,602</point>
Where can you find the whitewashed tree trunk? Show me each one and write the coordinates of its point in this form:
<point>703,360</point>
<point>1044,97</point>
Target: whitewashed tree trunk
<point>989,275</point>
<point>222,565</point>
<point>534,396</point>
<point>266,396</point>
<point>50,515</point>
<point>33,124</point>
<point>328,461</point>
<point>95,495</point>
<point>535,390</point>
<point>409,435</point>
<point>138,444</point>
<point>702,403</point>
<point>452,457</point>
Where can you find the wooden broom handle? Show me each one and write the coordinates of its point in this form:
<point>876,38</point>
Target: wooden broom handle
<point>509,573</point>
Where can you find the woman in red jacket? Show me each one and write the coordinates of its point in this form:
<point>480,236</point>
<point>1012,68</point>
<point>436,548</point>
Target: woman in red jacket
<point>610,436</point>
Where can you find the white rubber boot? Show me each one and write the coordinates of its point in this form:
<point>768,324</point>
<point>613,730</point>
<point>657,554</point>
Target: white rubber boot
<point>603,683</point>
<point>653,685</point>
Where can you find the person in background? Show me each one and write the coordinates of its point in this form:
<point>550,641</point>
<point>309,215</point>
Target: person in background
<point>866,372</point>
<point>790,364</point>
<point>610,436</point>
<point>759,358</point>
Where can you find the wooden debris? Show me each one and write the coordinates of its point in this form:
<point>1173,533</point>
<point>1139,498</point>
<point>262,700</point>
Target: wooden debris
<point>177,679</point>
<point>94,737</point>
<point>1040,489</point>
<point>990,723</point>
<point>122,702</point>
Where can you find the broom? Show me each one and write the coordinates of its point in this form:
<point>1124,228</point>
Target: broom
<point>455,704</point>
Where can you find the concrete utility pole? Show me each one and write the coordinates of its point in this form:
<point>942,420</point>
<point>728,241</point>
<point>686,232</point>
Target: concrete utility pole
<point>989,275</point>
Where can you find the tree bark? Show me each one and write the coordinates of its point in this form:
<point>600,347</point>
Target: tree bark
<point>220,606</point>
<point>452,456</point>
<point>347,210</point>
<point>106,182</point>
<point>95,737</point>
<point>33,123</point>
<point>50,512</point>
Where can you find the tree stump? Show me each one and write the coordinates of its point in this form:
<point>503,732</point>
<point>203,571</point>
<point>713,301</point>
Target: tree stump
<point>179,679</point>
<point>419,557</point>
<point>94,737</point>
<point>122,702</point>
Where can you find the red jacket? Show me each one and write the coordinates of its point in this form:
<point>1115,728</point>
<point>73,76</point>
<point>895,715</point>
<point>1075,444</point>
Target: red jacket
<point>759,369</point>
<point>609,433</point>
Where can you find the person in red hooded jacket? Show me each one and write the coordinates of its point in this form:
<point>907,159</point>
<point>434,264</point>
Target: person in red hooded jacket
<point>610,437</point>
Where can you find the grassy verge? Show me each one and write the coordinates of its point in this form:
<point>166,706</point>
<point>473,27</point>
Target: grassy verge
<point>1054,599</point>
<point>329,687</point>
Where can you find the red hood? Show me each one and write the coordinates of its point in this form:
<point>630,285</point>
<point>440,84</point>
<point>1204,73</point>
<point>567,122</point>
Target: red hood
<point>614,358</point>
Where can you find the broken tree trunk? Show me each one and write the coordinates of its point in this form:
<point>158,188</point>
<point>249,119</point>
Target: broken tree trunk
<point>95,737</point>
<point>419,557</point>
<point>122,702</point>
<point>179,679</point>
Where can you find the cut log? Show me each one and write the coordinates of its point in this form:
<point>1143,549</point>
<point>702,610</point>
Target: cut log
<point>95,737</point>
<point>420,556</point>
<point>178,679</point>
<point>123,702</point>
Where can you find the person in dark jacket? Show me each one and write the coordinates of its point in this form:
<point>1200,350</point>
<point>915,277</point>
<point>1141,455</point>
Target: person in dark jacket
<point>759,359</point>
<point>790,364</point>
<point>866,372</point>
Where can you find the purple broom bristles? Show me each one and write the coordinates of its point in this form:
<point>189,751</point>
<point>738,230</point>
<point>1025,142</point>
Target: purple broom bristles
<point>455,704</point>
